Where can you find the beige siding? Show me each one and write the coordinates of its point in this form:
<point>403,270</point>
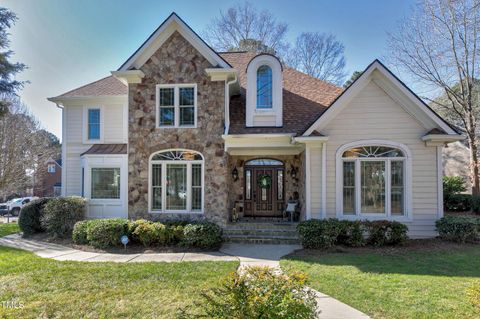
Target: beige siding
<point>114,131</point>
<point>374,115</point>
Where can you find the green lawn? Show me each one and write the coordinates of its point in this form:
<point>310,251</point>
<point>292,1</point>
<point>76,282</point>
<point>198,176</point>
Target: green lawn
<point>7,229</point>
<point>54,289</point>
<point>425,283</point>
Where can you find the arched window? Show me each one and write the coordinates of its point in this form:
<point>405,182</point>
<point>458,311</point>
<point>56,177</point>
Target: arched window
<point>264,87</point>
<point>373,180</point>
<point>176,181</point>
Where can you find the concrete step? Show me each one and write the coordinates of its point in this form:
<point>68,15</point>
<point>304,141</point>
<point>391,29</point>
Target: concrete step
<point>260,232</point>
<point>260,225</point>
<point>277,240</point>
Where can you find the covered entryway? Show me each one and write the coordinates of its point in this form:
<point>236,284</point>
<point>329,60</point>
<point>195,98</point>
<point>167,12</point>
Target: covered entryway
<point>264,188</point>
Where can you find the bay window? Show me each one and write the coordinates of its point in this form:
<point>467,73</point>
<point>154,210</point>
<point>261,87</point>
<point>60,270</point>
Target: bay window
<point>373,181</point>
<point>176,181</point>
<point>105,183</point>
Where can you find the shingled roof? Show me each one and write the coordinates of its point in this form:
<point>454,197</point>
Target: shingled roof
<point>108,86</point>
<point>305,98</point>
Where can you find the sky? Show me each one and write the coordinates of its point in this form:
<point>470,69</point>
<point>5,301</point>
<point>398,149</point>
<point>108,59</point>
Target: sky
<point>67,43</point>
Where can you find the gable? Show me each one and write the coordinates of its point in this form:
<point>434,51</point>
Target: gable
<point>395,89</point>
<point>172,24</point>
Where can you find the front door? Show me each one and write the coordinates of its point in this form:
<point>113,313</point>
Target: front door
<point>264,189</point>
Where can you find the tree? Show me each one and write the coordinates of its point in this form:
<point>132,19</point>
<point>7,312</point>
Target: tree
<point>355,75</point>
<point>244,28</point>
<point>439,46</point>
<point>319,55</point>
<point>8,85</point>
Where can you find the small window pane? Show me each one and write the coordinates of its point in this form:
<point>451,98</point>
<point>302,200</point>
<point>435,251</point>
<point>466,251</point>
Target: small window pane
<point>187,96</point>
<point>176,186</point>
<point>349,188</point>
<point>166,96</point>
<point>196,186</point>
<point>105,183</point>
<point>373,151</point>
<point>177,156</point>
<point>397,191</point>
<point>264,87</point>
<point>248,184</point>
<point>373,187</point>
<point>187,116</point>
<point>94,124</point>
<point>264,162</point>
<point>280,184</point>
<point>156,186</point>
<point>167,116</point>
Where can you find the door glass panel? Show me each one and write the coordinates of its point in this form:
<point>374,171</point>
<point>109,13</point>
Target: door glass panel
<point>264,194</point>
<point>373,187</point>
<point>176,187</point>
<point>280,184</point>
<point>156,186</point>
<point>397,196</point>
<point>248,184</point>
<point>349,188</point>
<point>196,186</point>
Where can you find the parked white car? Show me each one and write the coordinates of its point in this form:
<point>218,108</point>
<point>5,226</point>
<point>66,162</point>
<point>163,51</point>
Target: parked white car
<point>15,205</point>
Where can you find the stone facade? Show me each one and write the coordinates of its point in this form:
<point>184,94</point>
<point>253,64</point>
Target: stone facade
<point>175,62</point>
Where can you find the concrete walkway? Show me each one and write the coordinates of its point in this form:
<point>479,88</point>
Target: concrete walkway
<point>247,254</point>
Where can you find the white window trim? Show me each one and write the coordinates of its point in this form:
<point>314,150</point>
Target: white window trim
<point>407,182</point>
<point>85,124</point>
<point>51,170</point>
<point>164,164</point>
<point>176,106</point>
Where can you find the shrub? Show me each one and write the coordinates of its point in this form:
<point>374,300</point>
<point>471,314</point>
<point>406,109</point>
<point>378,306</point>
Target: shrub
<point>149,233</point>
<point>103,233</point>
<point>352,233</point>
<point>473,294</point>
<point>384,232</point>
<point>257,292</point>
<point>459,228</point>
<point>476,204</point>
<point>175,234</point>
<point>453,185</point>
<point>458,202</point>
<point>30,217</point>
<point>79,234</point>
<point>317,233</point>
<point>202,235</point>
<point>61,214</point>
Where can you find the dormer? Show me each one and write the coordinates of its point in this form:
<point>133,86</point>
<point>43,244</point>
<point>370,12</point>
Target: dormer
<point>264,92</point>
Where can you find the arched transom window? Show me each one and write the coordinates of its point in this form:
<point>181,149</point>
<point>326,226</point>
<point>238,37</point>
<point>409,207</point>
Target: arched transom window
<point>264,87</point>
<point>373,181</point>
<point>176,181</point>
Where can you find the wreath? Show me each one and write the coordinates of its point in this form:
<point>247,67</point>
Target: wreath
<point>264,181</point>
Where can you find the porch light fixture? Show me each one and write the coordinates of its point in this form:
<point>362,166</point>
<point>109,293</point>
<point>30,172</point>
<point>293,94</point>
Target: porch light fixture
<point>293,172</point>
<point>235,174</point>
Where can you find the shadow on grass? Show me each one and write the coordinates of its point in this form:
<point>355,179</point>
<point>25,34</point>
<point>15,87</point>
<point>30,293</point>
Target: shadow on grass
<point>453,260</point>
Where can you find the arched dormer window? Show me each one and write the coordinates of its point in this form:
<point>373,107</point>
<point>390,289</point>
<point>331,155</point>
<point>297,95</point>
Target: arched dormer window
<point>264,92</point>
<point>264,87</point>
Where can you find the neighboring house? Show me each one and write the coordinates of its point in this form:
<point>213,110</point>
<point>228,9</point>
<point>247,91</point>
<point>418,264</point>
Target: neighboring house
<point>48,179</point>
<point>182,131</point>
<point>456,162</point>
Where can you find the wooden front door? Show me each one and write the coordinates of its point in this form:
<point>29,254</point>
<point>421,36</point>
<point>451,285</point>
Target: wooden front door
<point>261,201</point>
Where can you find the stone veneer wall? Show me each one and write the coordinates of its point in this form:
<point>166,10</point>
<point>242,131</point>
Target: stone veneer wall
<point>177,61</point>
<point>291,185</point>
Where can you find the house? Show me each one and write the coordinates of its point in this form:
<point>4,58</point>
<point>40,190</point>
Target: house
<point>181,131</point>
<point>48,179</point>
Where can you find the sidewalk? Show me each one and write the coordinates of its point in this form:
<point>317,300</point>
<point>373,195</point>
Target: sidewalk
<point>247,254</point>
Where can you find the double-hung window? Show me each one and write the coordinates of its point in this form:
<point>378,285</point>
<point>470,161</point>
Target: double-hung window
<point>373,182</point>
<point>51,168</point>
<point>176,181</point>
<point>176,105</point>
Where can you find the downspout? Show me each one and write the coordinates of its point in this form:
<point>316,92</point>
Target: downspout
<point>227,103</point>
<point>64,151</point>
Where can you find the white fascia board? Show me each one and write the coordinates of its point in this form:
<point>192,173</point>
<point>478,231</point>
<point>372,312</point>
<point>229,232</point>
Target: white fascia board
<point>256,136</point>
<point>88,99</point>
<point>440,139</point>
<point>395,84</point>
<point>130,76</point>
<point>171,24</point>
<point>311,139</point>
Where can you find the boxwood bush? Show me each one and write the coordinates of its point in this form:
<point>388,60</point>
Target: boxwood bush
<point>459,228</point>
<point>202,235</point>
<point>104,233</point>
<point>31,215</point>
<point>149,234</point>
<point>326,233</point>
<point>61,214</point>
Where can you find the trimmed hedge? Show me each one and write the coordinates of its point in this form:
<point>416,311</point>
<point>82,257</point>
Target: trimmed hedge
<point>61,214</point>
<point>103,233</point>
<point>459,228</point>
<point>327,233</point>
<point>458,202</point>
<point>30,217</point>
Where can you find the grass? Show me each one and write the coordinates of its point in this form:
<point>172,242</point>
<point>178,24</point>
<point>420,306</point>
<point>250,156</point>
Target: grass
<point>8,229</point>
<point>424,283</point>
<point>55,289</point>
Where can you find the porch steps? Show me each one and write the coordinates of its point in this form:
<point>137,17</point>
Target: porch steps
<point>261,233</point>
